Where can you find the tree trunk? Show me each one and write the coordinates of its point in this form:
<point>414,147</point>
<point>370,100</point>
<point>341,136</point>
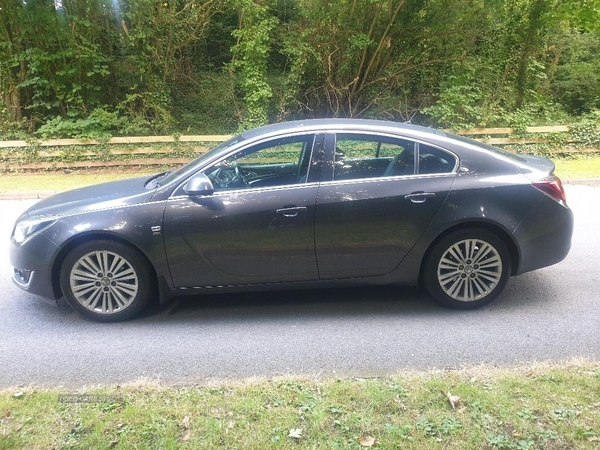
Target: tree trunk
<point>535,24</point>
<point>12,101</point>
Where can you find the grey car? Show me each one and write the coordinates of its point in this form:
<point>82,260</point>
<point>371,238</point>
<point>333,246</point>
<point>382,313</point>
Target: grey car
<point>304,204</point>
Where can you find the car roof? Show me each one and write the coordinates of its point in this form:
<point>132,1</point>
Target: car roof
<point>339,124</point>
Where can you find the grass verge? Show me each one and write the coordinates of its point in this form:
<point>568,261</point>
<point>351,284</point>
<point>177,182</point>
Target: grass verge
<point>60,181</point>
<point>586,167</point>
<point>542,406</point>
<point>583,168</point>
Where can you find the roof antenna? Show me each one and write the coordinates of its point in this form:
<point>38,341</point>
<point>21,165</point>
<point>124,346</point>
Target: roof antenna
<point>409,121</point>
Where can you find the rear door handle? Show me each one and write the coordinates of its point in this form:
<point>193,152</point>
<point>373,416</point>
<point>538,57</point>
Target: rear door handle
<point>419,197</point>
<point>292,211</point>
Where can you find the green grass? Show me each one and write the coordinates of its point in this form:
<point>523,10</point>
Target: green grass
<point>59,181</point>
<point>533,407</point>
<point>582,168</point>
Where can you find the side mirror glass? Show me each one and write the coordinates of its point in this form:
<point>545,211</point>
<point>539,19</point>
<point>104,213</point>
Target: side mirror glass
<point>199,184</point>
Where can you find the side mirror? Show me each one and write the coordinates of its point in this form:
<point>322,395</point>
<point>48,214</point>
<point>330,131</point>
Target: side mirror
<point>199,184</point>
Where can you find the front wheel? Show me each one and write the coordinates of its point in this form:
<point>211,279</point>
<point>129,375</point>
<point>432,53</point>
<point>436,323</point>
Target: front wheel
<point>106,281</point>
<point>467,269</point>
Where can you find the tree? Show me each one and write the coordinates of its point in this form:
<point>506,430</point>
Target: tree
<point>347,57</point>
<point>251,57</point>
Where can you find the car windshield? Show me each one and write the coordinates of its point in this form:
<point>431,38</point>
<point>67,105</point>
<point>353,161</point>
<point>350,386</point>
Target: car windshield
<point>491,148</point>
<point>170,176</point>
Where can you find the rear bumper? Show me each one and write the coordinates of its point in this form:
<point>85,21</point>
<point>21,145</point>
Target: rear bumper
<point>32,265</point>
<point>544,235</point>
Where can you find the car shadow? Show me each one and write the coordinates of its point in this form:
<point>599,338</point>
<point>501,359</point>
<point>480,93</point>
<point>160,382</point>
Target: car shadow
<point>278,305</point>
<point>294,304</point>
<point>526,293</point>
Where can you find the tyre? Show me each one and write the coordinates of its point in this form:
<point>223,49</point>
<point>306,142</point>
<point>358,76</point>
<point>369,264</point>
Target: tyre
<point>106,281</point>
<point>467,269</point>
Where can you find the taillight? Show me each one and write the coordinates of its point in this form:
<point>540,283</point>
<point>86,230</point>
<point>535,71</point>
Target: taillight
<point>551,186</point>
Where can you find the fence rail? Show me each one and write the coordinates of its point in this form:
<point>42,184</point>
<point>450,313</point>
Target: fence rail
<point>115,140</point>
<point>486,134</point>
<point>11,152</point>
<point>492,131</point>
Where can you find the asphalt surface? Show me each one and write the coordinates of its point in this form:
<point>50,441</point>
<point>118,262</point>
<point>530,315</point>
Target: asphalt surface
<point>550,314</point>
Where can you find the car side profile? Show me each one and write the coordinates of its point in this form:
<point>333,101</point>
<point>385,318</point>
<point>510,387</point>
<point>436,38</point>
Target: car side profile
<point>315,203</point>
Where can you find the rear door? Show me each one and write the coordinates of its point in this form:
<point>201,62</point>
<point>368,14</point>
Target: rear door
<point>377,202</point>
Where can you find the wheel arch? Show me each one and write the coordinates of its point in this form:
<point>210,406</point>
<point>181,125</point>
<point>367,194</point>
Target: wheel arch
<point>498,230</point>
<point>87,237</point>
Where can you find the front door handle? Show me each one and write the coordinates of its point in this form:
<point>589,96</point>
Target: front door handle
<point>291,211</point>
<point>419,197</point>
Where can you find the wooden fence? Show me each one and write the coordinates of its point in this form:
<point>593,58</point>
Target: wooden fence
<point>11,152</point>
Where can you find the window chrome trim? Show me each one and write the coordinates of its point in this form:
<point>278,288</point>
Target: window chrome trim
<point>250,190</point>
<point>383,131</point>
<point>244,146</point>
<point>388,179</point>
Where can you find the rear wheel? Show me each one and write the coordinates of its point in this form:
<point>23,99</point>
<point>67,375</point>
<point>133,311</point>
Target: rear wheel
<point>106,281</point>
<point>467,269</point>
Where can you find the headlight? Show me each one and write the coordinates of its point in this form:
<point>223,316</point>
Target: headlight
<point>27,227</point>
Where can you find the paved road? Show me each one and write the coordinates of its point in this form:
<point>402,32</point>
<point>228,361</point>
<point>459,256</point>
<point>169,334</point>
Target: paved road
<point>553,313</point>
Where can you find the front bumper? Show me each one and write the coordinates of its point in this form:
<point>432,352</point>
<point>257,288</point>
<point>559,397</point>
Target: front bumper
<point>32,263</point>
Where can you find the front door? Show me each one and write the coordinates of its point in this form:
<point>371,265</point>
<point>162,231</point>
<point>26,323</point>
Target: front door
<point>258,226</point>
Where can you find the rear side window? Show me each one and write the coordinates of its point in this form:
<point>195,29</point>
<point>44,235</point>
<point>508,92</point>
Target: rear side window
<point>365,156</point>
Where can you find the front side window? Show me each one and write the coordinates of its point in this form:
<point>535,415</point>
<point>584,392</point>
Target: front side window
<point>365,156</point>
<point>277,162</point>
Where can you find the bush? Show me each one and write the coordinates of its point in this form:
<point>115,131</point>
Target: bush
<point>99,124</point>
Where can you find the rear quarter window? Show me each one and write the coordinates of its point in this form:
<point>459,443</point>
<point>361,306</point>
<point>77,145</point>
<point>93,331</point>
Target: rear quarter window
<point>433,160</point>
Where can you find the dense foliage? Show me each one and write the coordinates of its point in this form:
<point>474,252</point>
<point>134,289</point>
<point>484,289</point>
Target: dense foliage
<point>94,68</point>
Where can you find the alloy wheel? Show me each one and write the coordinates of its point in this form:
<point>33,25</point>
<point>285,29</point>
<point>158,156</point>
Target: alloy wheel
<point>469,270</point>
<point>104,282</point>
